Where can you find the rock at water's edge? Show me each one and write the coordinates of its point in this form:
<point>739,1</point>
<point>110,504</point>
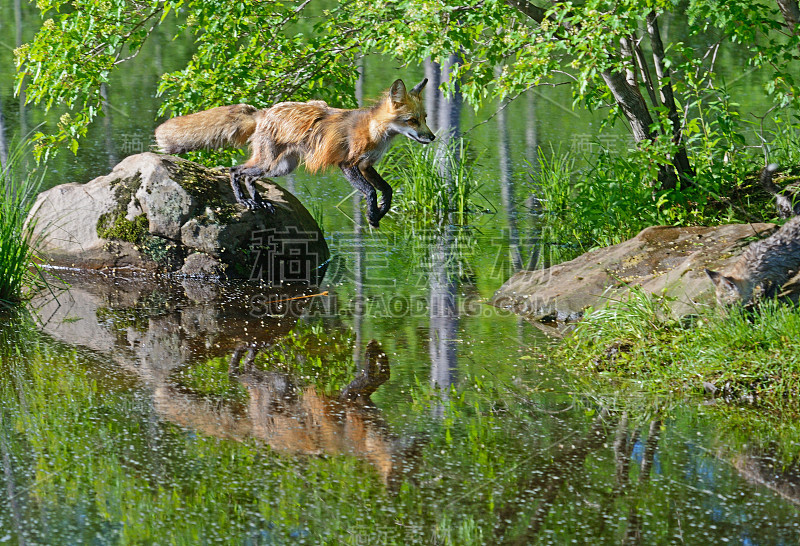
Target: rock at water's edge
<point>662,260</point>
<point>156,213</point>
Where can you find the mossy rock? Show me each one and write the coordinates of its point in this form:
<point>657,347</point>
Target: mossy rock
<point>662,260</point>
<point>153,212</point>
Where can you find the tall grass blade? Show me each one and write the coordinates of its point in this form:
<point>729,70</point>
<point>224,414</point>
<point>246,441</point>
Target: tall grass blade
<point>19,272</point>
<point>424,193</point>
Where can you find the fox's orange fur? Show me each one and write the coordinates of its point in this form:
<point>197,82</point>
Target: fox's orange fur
<point>282,136</point>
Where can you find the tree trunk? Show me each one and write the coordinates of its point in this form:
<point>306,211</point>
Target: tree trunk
<point>681,160</point>
<point>791,14</point>
<point>434,73</point>
<point>629,99</point>
<point>507,185</point>
<point>107,127</point>
<point>635,110</point>
<point>23,125</point>
<point>359,88</point>
<point>3,144</point>
<point>448,153</point>
<point>633,105</point>
<point>450,107</point>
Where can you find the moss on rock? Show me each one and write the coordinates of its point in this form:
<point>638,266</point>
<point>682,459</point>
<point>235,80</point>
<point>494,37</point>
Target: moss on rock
<point>204,185</point>
<point>114,225</point>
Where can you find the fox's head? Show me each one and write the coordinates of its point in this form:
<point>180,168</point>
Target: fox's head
<point>730,291</point>
<point>408,112</point>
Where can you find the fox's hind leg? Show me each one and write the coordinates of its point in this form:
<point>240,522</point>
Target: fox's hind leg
<point>250,184</point>
<point>283,165</point>
<point>242,172</point>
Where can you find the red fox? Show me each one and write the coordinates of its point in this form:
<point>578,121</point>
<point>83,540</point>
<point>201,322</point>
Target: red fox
<point>288,132</point>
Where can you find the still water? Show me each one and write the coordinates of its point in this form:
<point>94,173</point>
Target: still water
<point>390,405</point>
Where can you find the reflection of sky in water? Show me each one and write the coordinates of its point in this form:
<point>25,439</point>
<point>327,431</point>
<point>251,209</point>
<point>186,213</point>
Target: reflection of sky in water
<point>638,453</point>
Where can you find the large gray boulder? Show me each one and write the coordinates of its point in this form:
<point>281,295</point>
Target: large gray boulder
<point>663,260</point>
<point>156,213</point>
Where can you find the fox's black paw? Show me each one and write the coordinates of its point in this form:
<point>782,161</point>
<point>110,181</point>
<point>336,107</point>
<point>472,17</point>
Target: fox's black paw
<point>256,204</point>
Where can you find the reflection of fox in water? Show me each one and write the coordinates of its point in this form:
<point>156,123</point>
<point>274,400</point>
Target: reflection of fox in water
<point>296,419</point>
<point>769,263</point>
<point>288,132</point>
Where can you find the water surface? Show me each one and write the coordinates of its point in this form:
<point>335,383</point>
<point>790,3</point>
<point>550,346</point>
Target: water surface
<point>179,411</point>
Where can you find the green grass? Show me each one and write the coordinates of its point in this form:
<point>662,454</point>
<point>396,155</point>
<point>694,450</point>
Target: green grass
<point>18,270</point>
<point>615,197</point>
<point>743,354</point>
<point>423,191</point>
<point>603,205</point>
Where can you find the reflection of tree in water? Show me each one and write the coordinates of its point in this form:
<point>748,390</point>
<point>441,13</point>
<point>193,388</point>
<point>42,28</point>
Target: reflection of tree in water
<point>443,313</point>
<point>541,486</point>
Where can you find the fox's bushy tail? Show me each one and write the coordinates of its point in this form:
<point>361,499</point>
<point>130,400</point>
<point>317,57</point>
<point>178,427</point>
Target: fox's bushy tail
<point>786,200</point>
<point>220,127</point>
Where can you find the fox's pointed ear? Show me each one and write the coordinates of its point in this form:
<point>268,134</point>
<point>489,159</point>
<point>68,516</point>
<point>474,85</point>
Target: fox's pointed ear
<point>715,276</point>
<point>719,279</point>
<point>417,89</point>
<point>398,91</point>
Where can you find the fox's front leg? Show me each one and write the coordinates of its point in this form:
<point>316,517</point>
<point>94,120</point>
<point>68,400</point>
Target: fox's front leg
<point>357,180</point>
<point>382,185</point>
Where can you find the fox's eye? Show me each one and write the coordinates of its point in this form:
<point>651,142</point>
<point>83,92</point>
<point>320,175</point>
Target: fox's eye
<point>413,121</point>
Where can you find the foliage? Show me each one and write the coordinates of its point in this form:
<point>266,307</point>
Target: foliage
<point>613,199</point>
<point>261,52</point>
<point>244,53</point>
<point>743,354</point>
<point>587,48</point>
<point>18,268</point>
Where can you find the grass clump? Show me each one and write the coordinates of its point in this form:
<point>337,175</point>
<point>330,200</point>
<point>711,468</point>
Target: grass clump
<point>585,209</point>
<point>19,273</point>
<point>435,181</point>
<point>737,354</point>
